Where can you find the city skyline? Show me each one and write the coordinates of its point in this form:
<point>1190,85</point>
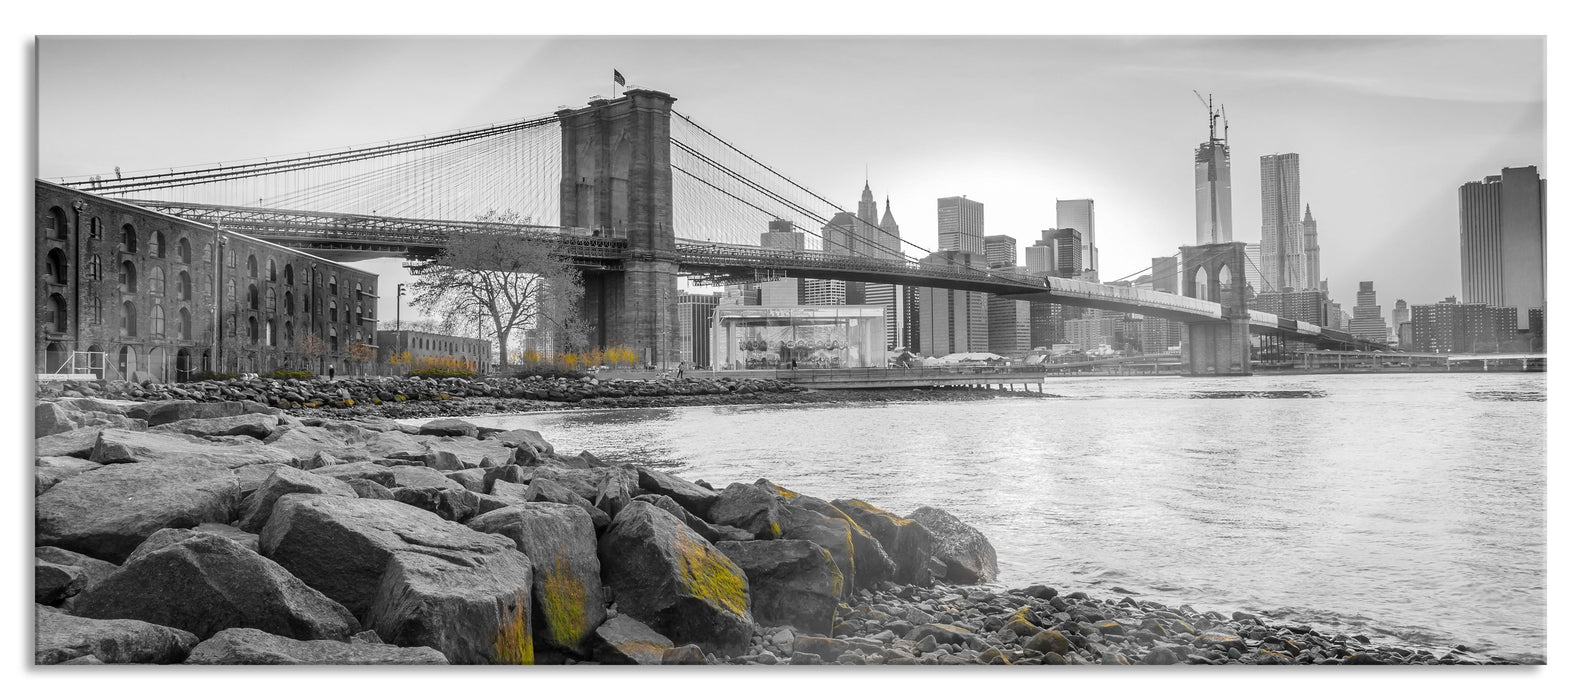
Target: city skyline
<point>1434,112</point>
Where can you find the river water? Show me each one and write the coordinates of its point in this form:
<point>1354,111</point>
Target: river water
<point>1400,506</point>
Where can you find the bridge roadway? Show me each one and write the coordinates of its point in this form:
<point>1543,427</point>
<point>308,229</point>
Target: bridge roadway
<point>354,237</point>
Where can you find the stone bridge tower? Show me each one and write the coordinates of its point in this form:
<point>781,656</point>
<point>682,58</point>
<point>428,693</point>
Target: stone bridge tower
<point>1217,272</point>
<point>615,181</point>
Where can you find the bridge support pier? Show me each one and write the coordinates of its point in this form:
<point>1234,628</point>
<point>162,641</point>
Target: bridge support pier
<point>1216,349</point>
<point>1223,347</point>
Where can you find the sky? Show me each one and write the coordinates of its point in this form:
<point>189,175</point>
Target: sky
<point>1387,127</point>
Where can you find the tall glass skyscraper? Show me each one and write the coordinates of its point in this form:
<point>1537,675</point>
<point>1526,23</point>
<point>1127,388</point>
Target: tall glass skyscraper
<point>1078,214</point>
<point>1284,245</point>
<point>961,225</point>
<point>1212,166</point>
<point>1503,239</point>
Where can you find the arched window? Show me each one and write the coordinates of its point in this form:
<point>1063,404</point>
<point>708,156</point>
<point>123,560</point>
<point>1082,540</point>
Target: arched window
<point>359,313</point>
<point>208,252</point>
<point>95,228</point>
<point>95,310</point>
<point>269,332</point>
<point>208,288</point>
<point>252,266</point>
<point>128,362</point>
<point>271,270</point>
<point>334,286</point>
<point>230,291</point>
<point>186,324</point>
<point>57,321</point>
<point>230,257</point>
<point>252,330</point>
<point>129,239</point>
<point>158,244</point>
<point>95,268</point>
<point>291,334</point>
<point>128,319</point>
<point>157,365</point>
<point>269,300</point>
<point>156,281</point>
<point>128,279</point>
<point>348,313</point>
<point>55,223</point>
<point>332,310</point>
<point>290,275</point>
<point>252,297</point>
<point>359,290</point>
<point>291,305</point>
<point>55,266</point>
<point>184,251</point>
<point>184,286</point>
<point>156,321</point>
<point>335,344</point>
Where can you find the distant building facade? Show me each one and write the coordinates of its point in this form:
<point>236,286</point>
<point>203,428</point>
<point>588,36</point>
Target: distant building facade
<point>961,225</point>
<point>1077,214</point>
<point>1367,320</point>
<point>1503,240</point>
<point>1311,306</point>
<point>952,320</point>
<point>697,316</point>
<point>424,345</point>
<point>1284,249</point>
<point>164,298</point>
<point>1449,326</point>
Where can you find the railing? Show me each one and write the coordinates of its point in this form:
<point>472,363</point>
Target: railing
<point>704,253</point>
<point>1139,297</point>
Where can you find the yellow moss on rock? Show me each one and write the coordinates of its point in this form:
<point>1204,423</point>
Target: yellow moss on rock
<point>710,576</point>
<point>564,602</point>
<point>513,640</point>
<point>774,530</point>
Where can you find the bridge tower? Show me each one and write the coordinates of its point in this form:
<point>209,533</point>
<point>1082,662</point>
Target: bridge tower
<point>615,181</point>
<point>1216,272</point>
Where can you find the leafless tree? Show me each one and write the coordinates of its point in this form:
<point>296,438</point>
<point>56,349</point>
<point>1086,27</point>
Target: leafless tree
<point>510,282</point>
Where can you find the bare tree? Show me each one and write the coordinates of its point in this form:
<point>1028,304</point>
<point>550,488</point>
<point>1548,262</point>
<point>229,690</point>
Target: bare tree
<point>510,282</point>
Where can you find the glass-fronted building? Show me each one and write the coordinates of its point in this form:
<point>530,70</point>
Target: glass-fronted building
<point>802,337</point>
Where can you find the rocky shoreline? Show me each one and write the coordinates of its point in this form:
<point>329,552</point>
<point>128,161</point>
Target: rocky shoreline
<point>410,397</point>
<point>233,532</point>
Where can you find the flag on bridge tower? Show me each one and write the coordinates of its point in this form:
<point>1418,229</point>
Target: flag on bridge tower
<point>620,79</point>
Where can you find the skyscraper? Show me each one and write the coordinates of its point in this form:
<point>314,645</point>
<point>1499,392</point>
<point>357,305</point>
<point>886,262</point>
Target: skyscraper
<point>1310,247</point>
<point>1367,321</point>
<point>961,225</point>
<point>1078,214</point>
<point>1399,315</point>
<point>1165,275</point>
<point>1503,239</point>
<point>1212,166</point>
<point>1010,321</point>
<point>866,228</point>
<point>999,251</point>
<point>697,315</point>
<point>887,246</point>
<point>1284,253</point>
<point>841,238</point>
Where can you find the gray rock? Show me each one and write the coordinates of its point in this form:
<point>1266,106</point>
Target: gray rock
<point>258,506</point>
<point>471,479</point>
<point>967,554</point>
<point>369,489</point>
<point>689,655</point>
<point>449,427</point>
<point>409,575</point>
<point>48,471</point>
<point>567,591</point>
<point>72,443</point>
<point>254,425</point>
<point>93,570</point>
<point>117,446</point>
<point>107,512</point>
<point>673,580</point>
<point>751,509</point>
<point>204,583</point>
<point>241,645</point>
<point>696,499</point>
<point>622,639</point>
<point>53,582</point>
<point>793,582</point>
<point>59,637</point>
<point>908,542</point>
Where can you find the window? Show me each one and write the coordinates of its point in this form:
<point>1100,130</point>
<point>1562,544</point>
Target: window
<point>291,306</point>
<point>95,310</point>
<point>184,251</point>
<point>128,278</point>
<point>291,334</point>
<point>230,291</point>
<point>335,344</point>
<point>55,223</point>
<point>230,258</point>
<point>55,266</point>
<point>252,267</point>
<point>158,244</point>
<point>57,314</point>
<point>332,309</point>
<point>359,290</point>
<point>156,281</point>
<point>186,324</point>
<point>252,330</point>
<point>156,321</point>
<point>269,300</point>
<point>95,228</point>
<point>290,276</point>
<point>334,288</point>
<point>128,319</point>
<point>271,270</point>
<point>184,286</point>
<point>348,313</point>
<point>95,268</point>
<point>359,313</point>
<point>208,252</point>
<point>252,297</point>
<point>269,333</point>
<point>129,239</point>
<point>208,287</point>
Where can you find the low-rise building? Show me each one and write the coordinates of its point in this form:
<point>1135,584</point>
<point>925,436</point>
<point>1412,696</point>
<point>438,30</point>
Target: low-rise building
<point>425,347</point>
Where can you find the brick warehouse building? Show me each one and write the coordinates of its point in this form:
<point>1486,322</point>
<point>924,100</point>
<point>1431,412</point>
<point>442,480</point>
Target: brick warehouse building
<point>166,298</point>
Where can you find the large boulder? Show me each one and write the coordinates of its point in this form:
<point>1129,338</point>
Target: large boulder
<point>751,509</point>
<point>93,570</point>
<point>242,645</point>
<point>53,583</point>
<point>411,576</point>
<point>448,427</point>
<point>711,532</point>
<point>51,418</point>
<point>59,637</point>
<point>547,491</point>
<point>624,640</point>
<point>307,442</point>
<point>205,583</point>
<point>116,446</point>
<point>908,542</point>
<point>257,506</point>
<point>465,453</point>
<point>254,425</point>
<point>696,499</point>
<point>674,581</point>
<point>567,592</point>
<point>793,582</point>
<point>171,535</point>
<point>162,412</point>
<point>870,563</point>
<point>48,471</point>
<point>368,471</point>
<point>967,554</point>
<point>107,512</point>
<point>72,443</point>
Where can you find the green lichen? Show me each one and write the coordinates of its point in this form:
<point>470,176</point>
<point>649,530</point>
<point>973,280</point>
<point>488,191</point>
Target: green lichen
<point>710,576</point>
<point>400,397</point>
<point>564,599</point>
<point>639,650</point>
<point>513,640</point>
<point>774,531</point>
<point>783,491</point>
